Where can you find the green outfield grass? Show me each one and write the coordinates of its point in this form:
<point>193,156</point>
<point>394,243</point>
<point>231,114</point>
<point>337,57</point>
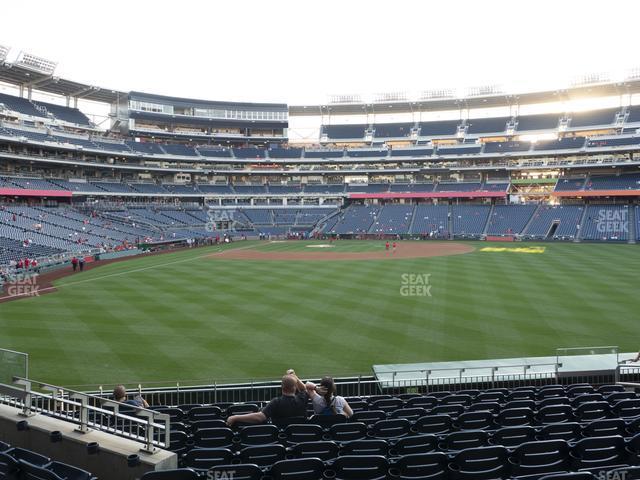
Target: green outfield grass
<point>183,317</point>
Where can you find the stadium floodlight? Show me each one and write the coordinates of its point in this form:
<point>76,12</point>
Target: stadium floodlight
<point>484,90</point>
<point>590,79</point>
<point>334,99</point>
<point>35,63</point>
<point>434,94</point>
<point>4,51</point>
<point>390,97</point>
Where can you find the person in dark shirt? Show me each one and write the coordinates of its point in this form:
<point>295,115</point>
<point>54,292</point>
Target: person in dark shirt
<point>292,403</point>
<point>120,395</point>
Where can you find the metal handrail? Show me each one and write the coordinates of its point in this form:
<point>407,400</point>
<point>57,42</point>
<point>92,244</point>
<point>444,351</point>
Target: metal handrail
<point>90,410</point>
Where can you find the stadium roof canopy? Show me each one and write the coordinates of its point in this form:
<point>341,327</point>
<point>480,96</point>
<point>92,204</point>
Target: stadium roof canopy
<point>439,103</point>
<point>42,80</point>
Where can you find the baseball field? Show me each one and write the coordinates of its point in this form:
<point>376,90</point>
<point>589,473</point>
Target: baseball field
<point>250,310</point>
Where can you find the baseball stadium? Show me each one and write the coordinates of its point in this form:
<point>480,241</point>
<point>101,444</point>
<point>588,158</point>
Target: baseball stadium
<point>430,285</point>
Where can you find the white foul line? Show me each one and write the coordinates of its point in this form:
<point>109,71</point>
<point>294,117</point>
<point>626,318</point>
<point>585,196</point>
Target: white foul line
<point>141,269</point>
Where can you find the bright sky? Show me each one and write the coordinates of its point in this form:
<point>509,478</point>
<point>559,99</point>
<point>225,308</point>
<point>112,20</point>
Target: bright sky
<point>298,51</point>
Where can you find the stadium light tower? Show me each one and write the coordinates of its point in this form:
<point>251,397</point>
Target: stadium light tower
<point>38,64</point>
<point>4,51</point>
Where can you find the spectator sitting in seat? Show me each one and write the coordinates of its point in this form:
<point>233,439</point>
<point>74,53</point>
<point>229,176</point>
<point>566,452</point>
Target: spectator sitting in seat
<point>326,401</point>
<point>292,403</point>
<point>120,395</point>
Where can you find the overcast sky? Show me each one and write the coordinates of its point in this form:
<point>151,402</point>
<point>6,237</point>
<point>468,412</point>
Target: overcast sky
<point>298,51</point>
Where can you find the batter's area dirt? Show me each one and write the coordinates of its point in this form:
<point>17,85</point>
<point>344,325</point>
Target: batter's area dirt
<point>410,249</point>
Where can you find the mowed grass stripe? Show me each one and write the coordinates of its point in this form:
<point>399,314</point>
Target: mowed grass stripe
<point>183,316</point>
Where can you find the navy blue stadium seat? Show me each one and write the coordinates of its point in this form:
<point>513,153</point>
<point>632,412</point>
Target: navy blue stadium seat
<point>324,450</point>
<point>452,410</point>
<point>360,467</point>
<point>393,428</point>
<point>177,474</point>
<point>589,411</point>
<point>258,435</point>
<point>348,431</point>
<point>387,404</point>
<point>200,424</point>
<point>598,452</point>
<point>365,447</point>
<point>414,444</point>
<point>569,476</point>
<point>368,417</point>
<point>431,466</point>
<point>427,402</point>
<point>242,408</point>
<point>435,424</point>
<point>482,463</point>
<point>605,428</point>
<point>411,414</point>
<point>213,438</point>
<point>474,420</point>
<point>197,414</point>
<point>513,417</point>
<point>22,454</point>
<point>297,433</point>
<point>327,420</point>
<point>9,468</point>
<point>569,431</point>
<point>540,457</point>
<point>298,469</point>
<point>205,458</point>
<point>464,439</point>
<point>627,408</point>
<point>242,471</point>
<point>262,455</point>
<point>554,414</point>
<point>513,436</point>
<point>493,407</point>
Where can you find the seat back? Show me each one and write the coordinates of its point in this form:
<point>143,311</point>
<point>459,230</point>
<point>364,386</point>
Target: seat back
<point>213,438</point>
<point>262,455</point>
<point>205,458</point>
<point>361,467</point>
<point>598,451</point>
<point>347,432</point>
<point>513,417</point>
<point>463,440</point>
<point>568,431</point>
<point>411,414</point>
<point>540,457</point>
<point>368,417</point>
<point>431,466</point>
<point>393,428</point>
<point>555,414</point>
<point>297,433</point>
<point>414,444</point>
<point>258,435</point>
<point>243,471</point>
<point>589,411</point>
<point>474,420</point>
<point>513,436</point>
<point>480,463</point>
<point>177,474</point>
<point>426,402</point>
<point>605,428</point>
<point>324,450</point>
<point>204,413</point>
<point>365,447</point>
<point>434,424</point>
<point>298,469</point>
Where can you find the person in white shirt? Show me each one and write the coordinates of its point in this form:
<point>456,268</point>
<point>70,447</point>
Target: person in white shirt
<point>325,399</point>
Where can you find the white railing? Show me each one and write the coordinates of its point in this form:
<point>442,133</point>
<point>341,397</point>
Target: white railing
<point>89,412</point>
